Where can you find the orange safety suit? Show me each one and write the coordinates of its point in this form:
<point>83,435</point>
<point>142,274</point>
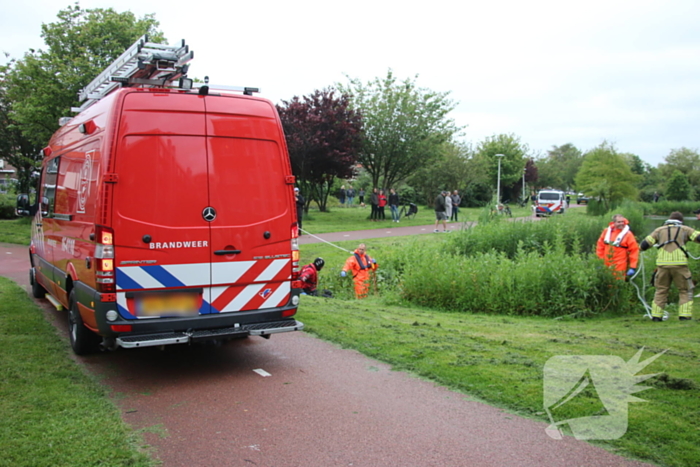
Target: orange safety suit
<point>360,266</point>
<point>618,248</point>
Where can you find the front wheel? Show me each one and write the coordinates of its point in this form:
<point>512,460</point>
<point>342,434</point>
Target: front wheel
<point>82,340</point>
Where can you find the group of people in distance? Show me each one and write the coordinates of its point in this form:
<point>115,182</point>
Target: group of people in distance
<point>618,248</point>
<point>446,208</point>
<point>378,201</point>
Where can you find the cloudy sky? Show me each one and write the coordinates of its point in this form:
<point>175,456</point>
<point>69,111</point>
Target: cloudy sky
<point>550,72</point>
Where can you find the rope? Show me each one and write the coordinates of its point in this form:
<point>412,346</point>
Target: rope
<point>326,241</point>
<point>641,293</point>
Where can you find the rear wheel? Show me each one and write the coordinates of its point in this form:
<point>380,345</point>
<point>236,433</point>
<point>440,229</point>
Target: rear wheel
<point>37,290</point>
<point>82,340</point>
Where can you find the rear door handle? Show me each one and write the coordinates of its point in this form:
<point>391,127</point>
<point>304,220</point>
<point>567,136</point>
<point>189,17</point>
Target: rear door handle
<point>227,252</point>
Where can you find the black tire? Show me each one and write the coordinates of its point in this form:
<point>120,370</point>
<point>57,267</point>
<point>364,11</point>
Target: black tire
<point>82,340</point>
<point>38,291</point>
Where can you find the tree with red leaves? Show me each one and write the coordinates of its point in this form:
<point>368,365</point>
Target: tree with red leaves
<point>323,137</point>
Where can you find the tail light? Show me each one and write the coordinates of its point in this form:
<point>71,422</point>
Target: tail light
<point>295,251</point>
<point>104,259</point>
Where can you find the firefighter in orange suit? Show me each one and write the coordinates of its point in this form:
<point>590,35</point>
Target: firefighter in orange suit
<point>360,265</point>
<point>618,247</point>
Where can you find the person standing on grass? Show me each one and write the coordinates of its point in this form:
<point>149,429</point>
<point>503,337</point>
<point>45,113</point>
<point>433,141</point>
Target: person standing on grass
<point>672,265</point>
<point>350,195</point>
<point>448,206</point>
<point>341,196</point>
<point>360,265</point>
<point>456,200</point>
<point>618,247</point>
<point>380,206</point>
<point>440,212</point>
<point>394,205</point>
<point>361,196</point>
<point>374,204</point>
<point>300,206</point>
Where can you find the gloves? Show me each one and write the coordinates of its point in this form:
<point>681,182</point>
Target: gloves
<point>630,272</point>
<point>343,273</point>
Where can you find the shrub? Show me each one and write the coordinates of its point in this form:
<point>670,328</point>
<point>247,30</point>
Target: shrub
<point>551,283</point>
<point>494,233</point>
<point>664,208</point>
<point>7,206</point>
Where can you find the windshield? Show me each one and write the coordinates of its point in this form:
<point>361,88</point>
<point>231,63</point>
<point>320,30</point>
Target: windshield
<point>551,196</point>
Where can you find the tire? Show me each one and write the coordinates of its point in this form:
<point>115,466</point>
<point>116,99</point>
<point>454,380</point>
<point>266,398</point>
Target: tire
<point>38,291</point>
<point>82,340</point>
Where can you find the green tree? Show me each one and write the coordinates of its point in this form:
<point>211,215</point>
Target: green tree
<point>513,162</point>
<point>685,160</point>
<point>637,165</point>
<point>606,175</point>
<point>405,126</point>
<point>559,167</point>
<point>323,136</point>
<point>15,148</point>
<point>44,84</point>
<point>678,187</point>
<point>455,169</point>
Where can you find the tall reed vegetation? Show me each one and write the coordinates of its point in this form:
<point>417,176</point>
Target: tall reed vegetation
<point>547,281</point>
<point>546,268</point>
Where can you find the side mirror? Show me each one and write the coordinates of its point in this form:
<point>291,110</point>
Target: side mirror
<point>23,206</point>
<point>44,206</point>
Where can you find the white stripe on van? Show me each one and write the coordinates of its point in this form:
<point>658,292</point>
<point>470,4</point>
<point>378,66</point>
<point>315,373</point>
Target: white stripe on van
<point>141,277</point>
<point>226,273</point>
<point>243,298</point>
<point>272,270</point>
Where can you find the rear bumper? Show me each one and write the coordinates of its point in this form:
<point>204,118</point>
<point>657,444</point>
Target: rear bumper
<point>186,337</point>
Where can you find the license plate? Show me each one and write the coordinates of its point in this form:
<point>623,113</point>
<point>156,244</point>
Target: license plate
<point>169,304</point>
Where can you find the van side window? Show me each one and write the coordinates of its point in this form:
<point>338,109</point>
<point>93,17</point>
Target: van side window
<point>48,187</point>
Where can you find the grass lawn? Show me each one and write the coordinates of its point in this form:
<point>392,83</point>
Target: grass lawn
<point>15,231</point>
<point>53,413</point>
<point>500,360</point>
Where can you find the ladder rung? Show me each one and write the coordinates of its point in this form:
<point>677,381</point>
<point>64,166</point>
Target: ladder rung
<point>144,63</point>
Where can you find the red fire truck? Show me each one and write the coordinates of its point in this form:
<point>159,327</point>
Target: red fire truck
<point>165,212</point>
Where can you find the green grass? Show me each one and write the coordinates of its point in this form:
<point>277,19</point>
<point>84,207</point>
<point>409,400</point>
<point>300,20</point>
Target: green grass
<point>16,231</point>
<point>500,360</point>
<point>53,413</point>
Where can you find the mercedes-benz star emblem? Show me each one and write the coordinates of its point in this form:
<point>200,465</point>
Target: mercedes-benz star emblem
<point>209,214</point>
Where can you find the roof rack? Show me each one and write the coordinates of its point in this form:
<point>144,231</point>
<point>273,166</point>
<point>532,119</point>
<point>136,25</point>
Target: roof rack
<point>205,87</point>
<point>143,64</point>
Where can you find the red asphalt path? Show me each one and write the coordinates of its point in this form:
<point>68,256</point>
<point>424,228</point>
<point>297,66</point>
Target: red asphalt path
<point>320,406</point>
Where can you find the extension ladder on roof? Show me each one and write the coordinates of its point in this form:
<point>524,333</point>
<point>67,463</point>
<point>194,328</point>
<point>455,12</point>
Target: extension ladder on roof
<point>143,64</point>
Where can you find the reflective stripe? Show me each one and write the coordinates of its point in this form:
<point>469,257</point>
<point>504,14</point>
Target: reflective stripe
<point>676,257</point>
<point>686,309</point>
<point>619,238</point>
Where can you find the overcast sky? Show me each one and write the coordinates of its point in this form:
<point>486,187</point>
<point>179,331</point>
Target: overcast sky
<point>550,72</point>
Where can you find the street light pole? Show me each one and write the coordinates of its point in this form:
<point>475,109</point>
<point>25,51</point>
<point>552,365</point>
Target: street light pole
<point>498,186</point>
<point>524,170</point>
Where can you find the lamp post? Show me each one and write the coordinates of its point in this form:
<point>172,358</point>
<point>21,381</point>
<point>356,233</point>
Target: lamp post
<point>498,186</point>
<point>524,170</point>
